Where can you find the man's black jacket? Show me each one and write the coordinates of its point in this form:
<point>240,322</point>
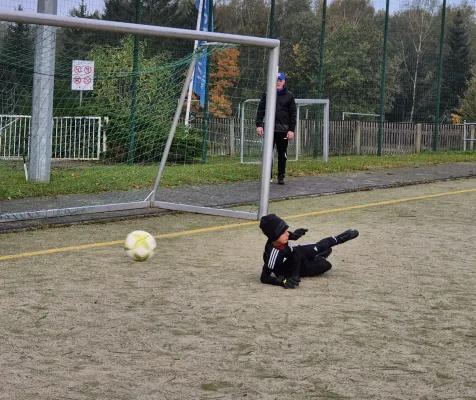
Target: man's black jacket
<point>285,119</point>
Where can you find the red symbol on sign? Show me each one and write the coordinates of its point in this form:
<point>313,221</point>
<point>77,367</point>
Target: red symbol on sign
<point>87,80</point>
<point>77,69</point>
<point>77,80</point>
<point>88,70</point>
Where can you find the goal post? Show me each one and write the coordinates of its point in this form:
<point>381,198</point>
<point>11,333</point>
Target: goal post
<point>344,113</point>
<point>163,140</point>
<point>248,134</point>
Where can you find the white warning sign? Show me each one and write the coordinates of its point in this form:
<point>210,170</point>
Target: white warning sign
<point>82,75</point>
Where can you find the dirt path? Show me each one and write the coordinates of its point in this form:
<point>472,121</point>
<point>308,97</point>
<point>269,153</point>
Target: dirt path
<point>394,319</point>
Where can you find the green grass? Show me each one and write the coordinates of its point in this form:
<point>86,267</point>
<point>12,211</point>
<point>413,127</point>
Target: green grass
<point>97,178</point>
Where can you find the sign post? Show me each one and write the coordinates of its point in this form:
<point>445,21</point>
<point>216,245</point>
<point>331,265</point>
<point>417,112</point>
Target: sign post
<point>82,77</point>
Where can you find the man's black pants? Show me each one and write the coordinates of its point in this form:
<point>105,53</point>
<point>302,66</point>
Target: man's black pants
<point>281,142</point>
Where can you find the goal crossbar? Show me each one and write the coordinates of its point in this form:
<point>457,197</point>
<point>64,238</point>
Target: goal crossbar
<point>133,29</point>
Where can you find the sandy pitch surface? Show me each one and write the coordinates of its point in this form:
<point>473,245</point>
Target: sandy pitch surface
<point>394,319</point>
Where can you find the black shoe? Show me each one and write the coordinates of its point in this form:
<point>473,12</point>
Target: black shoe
<point>281,180</point>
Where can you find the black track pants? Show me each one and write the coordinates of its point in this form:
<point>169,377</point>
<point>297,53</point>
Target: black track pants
<point>281,142</point>
<point>311,262</point>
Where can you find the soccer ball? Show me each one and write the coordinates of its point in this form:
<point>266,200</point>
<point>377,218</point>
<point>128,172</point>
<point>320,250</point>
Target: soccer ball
<point>140,245</point>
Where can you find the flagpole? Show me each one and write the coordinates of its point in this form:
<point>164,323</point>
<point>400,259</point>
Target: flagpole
<point>195,45</point>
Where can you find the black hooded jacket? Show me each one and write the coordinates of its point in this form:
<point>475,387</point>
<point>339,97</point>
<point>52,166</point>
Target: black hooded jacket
<point>286,112</point>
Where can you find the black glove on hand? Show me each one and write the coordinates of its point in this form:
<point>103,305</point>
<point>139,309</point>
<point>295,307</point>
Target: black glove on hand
<point>288,283</point>
<point>347,235</point>
<point>297,233</point>
<point>300,231</point>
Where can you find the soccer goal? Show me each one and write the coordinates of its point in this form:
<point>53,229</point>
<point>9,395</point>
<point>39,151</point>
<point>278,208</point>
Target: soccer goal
<point>307,129</point>
<point>131,80</point>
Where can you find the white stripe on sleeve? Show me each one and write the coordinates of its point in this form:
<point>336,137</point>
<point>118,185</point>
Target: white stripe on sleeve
<point>272,258</point>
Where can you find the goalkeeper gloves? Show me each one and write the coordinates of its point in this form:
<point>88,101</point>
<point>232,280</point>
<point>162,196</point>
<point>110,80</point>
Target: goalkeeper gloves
<point>346,236</point>
<point>297,233</point>
<point>288,283</point>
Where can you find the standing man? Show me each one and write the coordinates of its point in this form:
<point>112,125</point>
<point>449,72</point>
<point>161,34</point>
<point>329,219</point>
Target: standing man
<point>284,125</point>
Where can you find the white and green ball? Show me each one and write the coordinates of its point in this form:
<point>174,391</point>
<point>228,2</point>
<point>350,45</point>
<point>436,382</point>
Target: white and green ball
<point>140,245</point>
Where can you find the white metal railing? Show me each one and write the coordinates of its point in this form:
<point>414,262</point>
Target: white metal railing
<point>73,138</point>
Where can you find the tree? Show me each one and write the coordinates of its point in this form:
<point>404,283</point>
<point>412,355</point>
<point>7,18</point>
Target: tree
<point>225,72</point>
<point>414,37</point>
<point>242,17</point>
<point>354,12</point>
<point>353,59</point>
<point>457,65</point>
<point>299,55</point>
<point>353,63</point>
<point>16,69</point>
<point>468,105</point>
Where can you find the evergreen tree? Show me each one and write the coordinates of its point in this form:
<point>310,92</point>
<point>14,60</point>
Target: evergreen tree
<point>16,69</point>
<point>457,65</point>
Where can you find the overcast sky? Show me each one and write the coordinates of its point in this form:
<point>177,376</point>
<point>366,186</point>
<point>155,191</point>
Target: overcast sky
<point>65,6</point>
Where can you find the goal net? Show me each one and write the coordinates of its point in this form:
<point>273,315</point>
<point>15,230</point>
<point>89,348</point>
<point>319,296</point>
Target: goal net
<point>93,117</point>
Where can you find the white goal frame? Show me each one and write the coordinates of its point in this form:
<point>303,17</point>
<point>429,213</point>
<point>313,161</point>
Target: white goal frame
<point>157,31</point>
<point>297,137</point>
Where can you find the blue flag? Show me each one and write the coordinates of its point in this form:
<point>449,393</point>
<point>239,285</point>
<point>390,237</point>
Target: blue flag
<point>200,77</point>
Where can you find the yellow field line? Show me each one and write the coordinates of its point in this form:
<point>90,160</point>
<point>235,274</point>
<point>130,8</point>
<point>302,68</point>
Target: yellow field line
<point>221,227</point>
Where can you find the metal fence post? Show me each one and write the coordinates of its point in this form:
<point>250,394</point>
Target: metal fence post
<point>232,137</point>
<point>471,136</point>
<point>358,129</point>
<point>418,138</point>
